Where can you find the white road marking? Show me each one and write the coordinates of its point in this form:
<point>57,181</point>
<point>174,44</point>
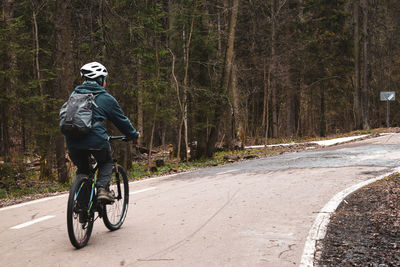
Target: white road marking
<point>19,226</point>
<point>143,190</point>
<point>52,216</point>
<point>318,229</point>
<point>226,172</point>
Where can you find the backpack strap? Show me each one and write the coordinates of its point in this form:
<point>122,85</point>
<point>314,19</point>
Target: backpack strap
<point>94,99</point>
<point>96,122</point>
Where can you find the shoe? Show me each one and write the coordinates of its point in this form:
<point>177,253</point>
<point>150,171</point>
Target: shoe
<point>105,196</point>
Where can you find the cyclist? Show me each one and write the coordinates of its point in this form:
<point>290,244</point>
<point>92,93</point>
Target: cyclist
<point>96,142</point>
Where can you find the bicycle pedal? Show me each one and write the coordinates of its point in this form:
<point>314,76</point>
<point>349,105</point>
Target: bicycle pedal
<point>83,217</point>
<point>105,201</point>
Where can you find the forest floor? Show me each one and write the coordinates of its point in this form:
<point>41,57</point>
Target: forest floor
<point>365,229</point>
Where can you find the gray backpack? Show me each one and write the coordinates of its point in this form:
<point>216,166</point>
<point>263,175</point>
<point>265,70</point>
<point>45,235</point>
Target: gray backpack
<point>76,115</point>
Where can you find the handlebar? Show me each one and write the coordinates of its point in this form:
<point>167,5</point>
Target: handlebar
<point>112,138</point>
<point>122,138</point>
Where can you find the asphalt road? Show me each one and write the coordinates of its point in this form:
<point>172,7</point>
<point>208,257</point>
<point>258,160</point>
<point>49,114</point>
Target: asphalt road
<point>253,213</point>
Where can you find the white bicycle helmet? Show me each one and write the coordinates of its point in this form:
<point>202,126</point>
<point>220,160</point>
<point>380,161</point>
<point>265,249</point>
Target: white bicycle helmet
<point>93,70</point>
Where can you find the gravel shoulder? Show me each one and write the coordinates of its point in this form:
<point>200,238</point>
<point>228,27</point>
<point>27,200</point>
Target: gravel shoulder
<point>365,229</point>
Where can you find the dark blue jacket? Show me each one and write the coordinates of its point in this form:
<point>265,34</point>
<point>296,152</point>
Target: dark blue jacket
<point>108,109</point>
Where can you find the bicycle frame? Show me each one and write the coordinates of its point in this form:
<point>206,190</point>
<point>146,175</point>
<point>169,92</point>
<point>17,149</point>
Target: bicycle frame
<point>117,176</point>
<point>93,178</point>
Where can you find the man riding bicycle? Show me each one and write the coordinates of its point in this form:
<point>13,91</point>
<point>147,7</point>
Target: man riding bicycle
<point>96,142</point>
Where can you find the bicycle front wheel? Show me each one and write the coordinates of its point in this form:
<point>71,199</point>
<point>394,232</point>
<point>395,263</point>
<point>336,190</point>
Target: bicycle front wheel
<point>114,214</point>
<point>79,222</point>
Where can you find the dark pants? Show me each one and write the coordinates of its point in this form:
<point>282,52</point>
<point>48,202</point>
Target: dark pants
<point>80,157</point>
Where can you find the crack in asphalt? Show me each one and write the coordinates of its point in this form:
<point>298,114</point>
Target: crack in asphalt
<point>187,238</point>
<point>287,250</point>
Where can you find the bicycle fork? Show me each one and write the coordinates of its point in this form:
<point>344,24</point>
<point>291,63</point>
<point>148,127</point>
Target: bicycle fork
<point>117,178</point>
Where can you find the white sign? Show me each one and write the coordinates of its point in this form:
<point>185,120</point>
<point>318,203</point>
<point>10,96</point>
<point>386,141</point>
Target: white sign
<point>388,96</point>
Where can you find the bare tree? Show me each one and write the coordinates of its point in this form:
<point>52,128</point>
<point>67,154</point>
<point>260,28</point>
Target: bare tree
<point>356,26</point>
<point>63,61</point>
<point>140,102</point>
<point>36,8</point>
<point>365,86</point>
<point>8,19</point>
<point>228,85</point>
<point>186,55</point>
<point>272,68</point>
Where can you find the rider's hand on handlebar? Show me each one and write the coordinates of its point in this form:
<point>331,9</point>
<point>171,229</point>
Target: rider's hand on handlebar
<point>126,139</point>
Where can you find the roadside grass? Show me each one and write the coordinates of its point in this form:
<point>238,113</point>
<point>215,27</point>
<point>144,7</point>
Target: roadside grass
<point>35,188</point>
<point>17,180</point>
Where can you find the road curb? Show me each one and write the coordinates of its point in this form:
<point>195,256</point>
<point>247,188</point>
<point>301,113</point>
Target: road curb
<point>318,229</point>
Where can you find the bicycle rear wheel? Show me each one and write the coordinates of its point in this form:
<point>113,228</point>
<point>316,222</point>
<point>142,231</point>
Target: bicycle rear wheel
<point>79,222</point>
<point>114,214</point>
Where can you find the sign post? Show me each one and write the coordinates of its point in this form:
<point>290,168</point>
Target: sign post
<point>388,96</point>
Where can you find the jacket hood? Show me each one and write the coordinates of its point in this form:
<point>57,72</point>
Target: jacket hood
<point>90,87</point>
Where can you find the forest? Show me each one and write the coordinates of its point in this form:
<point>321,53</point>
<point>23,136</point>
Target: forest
<point>198,74</point>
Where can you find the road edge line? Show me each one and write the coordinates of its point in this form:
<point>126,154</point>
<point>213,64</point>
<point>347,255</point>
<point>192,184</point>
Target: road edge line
<point>31,202</point>
<point>320,225</point>
<point>142,190</point>
<point>29,223</point>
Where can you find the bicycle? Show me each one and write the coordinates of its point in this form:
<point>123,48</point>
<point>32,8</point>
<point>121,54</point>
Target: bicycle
<point>83,204</point>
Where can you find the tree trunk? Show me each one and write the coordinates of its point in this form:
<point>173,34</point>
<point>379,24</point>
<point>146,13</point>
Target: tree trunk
<point>172,45</point>
<point>8,18</point>
<point>221,109</point>
<point>265,99</point>
<point>357,105</point>
<point>102,27</point>
<point>186,55</point>
<point>237,112</point>
<point>180,106</point>
<point>4,138</point>
<point>267,85</point>
<point>230,79</point>
<point>35,11</point>
<point>365,86</point>
<point>158,66</point>
<point>273,70</point>
<point>63,62</point>
<point>290,114</point>
<point>231,46</point>
<point>149,161</point>
<point>322,121</point>
<point>140,103</point>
